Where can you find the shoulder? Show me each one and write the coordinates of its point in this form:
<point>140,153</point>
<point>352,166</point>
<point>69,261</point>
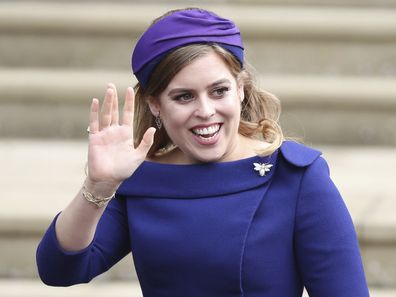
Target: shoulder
<point>298,154</point>
<point>315,170</point>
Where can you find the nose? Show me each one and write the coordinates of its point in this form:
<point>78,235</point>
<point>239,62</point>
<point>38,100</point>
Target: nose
<point>205,108</point>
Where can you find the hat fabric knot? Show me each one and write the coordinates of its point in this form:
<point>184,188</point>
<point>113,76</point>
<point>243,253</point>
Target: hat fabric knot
<point>179,29</point>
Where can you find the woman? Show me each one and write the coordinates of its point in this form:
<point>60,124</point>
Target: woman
<point>216,203</point>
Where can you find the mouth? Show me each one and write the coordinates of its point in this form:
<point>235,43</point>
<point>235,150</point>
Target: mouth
<point>207,133</point>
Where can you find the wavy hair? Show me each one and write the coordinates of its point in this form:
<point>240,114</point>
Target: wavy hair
<point>260,110</point>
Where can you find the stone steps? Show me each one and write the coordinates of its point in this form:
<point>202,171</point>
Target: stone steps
<point>54,103</point>
<point>310,40</point>
<point>331,62</point>
<point>33,288</point>
<point>254,20</point>
<point>42,176</point>
<point>327,3</point>
<point>53,86</point>
<point>334,68</point>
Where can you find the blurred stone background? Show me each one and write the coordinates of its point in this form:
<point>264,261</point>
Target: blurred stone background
<point>331,62</point>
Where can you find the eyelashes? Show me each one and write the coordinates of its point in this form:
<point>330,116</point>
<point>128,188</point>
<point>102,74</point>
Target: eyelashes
<point>219,92</point>
<point>185,97</point>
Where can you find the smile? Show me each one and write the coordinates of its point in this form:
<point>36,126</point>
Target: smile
<point>208,135</point>
<point>207,132</point>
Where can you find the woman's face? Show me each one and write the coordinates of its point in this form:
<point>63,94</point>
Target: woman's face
<point>200,110</point>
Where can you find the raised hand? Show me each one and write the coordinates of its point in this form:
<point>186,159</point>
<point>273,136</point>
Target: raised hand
<point>112,157</point>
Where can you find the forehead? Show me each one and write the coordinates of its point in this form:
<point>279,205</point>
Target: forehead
<point>202,72</point>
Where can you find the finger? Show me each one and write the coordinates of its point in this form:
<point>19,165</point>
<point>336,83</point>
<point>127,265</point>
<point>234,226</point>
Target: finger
<point>147,141</point>
<point>105,113</point>
<point>94,116</point>
<point>127,117</point>
<point>114,112</point>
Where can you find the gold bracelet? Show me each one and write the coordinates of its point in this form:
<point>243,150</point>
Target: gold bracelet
<point>98,201</point>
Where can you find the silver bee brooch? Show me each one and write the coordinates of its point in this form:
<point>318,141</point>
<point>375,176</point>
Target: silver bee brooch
<point>262,168</point>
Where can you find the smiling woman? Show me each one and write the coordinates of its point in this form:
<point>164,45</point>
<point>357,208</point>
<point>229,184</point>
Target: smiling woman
<point>201,114</point>
<point>216,203</point>
<point>257,111</point>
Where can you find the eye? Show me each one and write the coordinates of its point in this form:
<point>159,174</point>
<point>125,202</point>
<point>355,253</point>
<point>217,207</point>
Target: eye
<point>184,97</point>
<point>220,92</point>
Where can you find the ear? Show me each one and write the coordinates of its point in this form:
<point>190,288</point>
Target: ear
<point>154,105</point>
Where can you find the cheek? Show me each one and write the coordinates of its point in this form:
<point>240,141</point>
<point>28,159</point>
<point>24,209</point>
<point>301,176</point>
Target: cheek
<point>174,118</point>
<point>231,108</point>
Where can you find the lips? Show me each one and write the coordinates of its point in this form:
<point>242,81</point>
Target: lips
<point>206,135</point>
<point>206,132</point>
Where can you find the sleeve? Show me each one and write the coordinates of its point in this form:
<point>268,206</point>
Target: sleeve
<point>326,245</point>
<point>58,267</point>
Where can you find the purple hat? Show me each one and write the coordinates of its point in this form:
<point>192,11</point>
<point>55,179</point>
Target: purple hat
<point>183,28</point>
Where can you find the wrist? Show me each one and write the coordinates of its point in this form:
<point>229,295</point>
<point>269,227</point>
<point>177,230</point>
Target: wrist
<point>99,201</point>
<point>101,188</point>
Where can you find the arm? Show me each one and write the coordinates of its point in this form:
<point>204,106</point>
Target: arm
<point>326,244</point>
<point>112,158</point>
<point>59,267</point>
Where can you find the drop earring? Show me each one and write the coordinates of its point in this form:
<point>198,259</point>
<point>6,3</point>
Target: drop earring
<point>158,121</point>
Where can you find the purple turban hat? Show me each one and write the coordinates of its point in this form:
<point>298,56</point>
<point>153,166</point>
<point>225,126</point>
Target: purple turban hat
<point>179,29</point>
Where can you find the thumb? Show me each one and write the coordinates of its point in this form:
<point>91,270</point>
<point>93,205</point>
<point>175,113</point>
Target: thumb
<point>147,141</point>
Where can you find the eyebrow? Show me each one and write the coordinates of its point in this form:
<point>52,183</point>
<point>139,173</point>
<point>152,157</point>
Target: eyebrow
<point>184,90</point>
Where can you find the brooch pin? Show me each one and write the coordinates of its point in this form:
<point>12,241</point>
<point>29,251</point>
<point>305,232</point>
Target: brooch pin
<point>262,168</point>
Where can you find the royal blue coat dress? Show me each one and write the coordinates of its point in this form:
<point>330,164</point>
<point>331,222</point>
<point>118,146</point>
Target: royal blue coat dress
<point>223,230</point>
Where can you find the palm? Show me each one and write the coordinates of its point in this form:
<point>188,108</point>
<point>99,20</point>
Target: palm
<point>111,154</point>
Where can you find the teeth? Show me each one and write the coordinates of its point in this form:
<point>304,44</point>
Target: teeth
<point>207,130</point>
